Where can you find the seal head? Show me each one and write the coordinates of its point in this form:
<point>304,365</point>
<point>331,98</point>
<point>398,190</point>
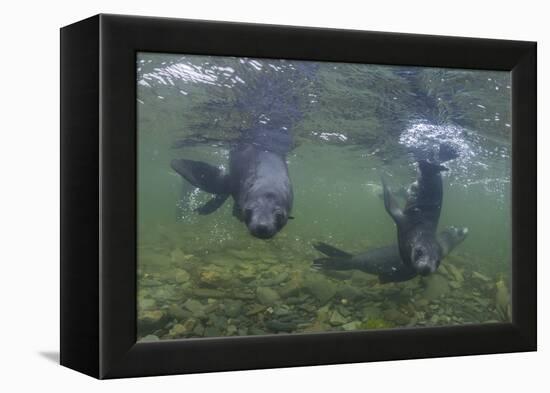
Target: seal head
<point>264,216</point>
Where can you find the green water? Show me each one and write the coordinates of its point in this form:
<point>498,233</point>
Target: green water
<point>205,276</point>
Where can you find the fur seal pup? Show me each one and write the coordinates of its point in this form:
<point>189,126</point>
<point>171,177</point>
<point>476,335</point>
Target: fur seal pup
<point>258,181</point>
<point>417,222</point>
<point>385,262</point>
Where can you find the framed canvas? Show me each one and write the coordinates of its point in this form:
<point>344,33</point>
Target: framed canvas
<point>239,196</point>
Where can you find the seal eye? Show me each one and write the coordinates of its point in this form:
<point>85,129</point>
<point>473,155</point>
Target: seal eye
<point>247,215</point>
<point>280,218</point>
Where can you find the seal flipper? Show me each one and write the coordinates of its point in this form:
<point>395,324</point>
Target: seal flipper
<point>213,204</point>
<point>202,175</point>
<point>331,251</point>
<point>391,205</point>
<point>400,274</point>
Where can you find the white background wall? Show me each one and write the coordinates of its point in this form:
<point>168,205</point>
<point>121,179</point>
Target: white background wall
<point>29,184</point>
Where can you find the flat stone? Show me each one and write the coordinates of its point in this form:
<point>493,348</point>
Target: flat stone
<point>154,259</point>
<point>151,320</point>
<point>321,288</point>
<point>149,337</point>
<point>214,277</point>
<point>177,330</point>
<point>456,273</point>
<point>254,331</point>
<point>436,286</point>
<point>147,304</point>
<point>166,292</point>
<point>233,308</point>
<point>177,255</point>
<point>502,297</point>
<point>371,312</point>
<point>323,314</point>
<point>267,296</point>
<point>208,293</point>
<point>422,303</point>
<point>177,312</point>
<point>348,292</point>
<point>181,329</point>
<point>395,316</point>
<point>278,279</point>
<point>442,269</point>
<point>181,276</point>
<point>337,319</point>
<point>354,325</point>
<point>281,326</point>
<point>149,282</point>
<point>256,309</point>
<point>231,330</point>
<point>241,254</point>
<point>317,326</point>
<point>246,273</point>
<point>194,306</point>
<point>455,284</point>
<point>212,331</point>
<point>480,277</point>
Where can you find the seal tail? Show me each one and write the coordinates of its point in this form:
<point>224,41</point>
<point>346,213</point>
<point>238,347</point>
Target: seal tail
<point>337,259</point>
<point>331,251</point>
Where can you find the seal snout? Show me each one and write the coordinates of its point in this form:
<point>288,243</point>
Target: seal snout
<point>262,231</point>
<point>424,269</point>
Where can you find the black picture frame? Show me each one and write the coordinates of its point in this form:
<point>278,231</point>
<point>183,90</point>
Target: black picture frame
<point>98,195</point>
